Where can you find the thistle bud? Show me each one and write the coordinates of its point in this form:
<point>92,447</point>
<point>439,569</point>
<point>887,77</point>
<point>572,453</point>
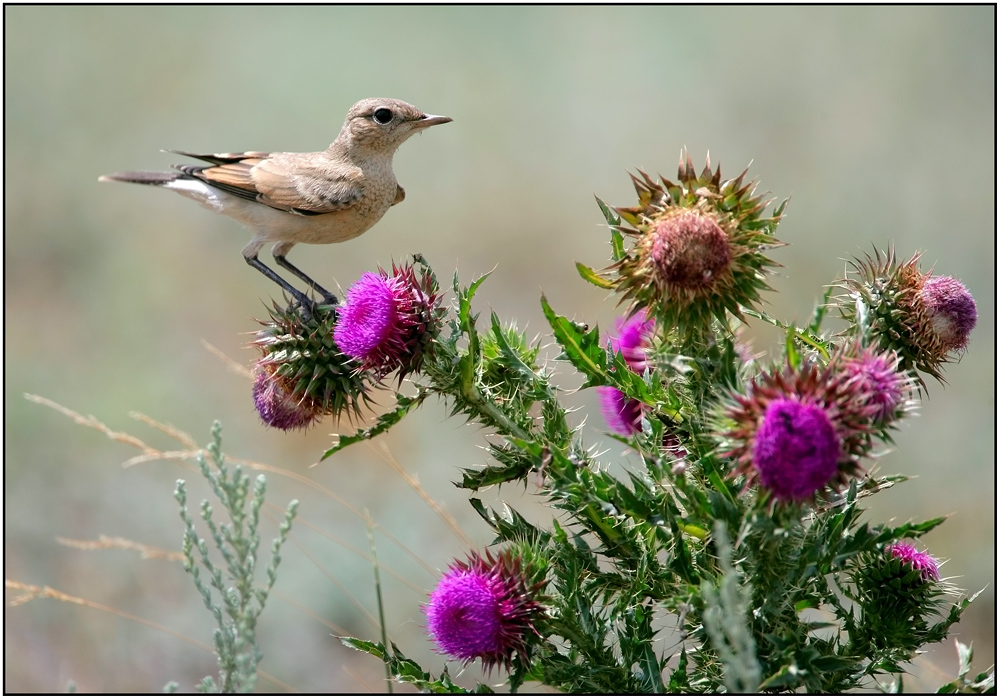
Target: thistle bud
<point>897,589</point>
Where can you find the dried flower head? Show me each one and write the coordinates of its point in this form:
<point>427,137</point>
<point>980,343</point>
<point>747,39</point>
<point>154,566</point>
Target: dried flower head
<point>301,371</point>
<point>387,321</point>
<point>484,609</point>
<point>898,307</point>
<point>699,247</point>
<point>797,431</point>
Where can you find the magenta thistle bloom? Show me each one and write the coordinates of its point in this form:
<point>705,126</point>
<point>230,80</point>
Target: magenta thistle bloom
<point>622,414</point>
<point>484,609</point>
<point>918,560</point>
<point>634,335</point>
<point>278,408</point>
<point>796,449</point>
<point>874,375</point>
<point>796,432</point>
<point>951,311</point>
<point>387,320</point>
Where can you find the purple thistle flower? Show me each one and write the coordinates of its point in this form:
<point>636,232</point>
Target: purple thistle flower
<point>951,310</point>
<point>918,560</point>
<point>278,408</point>
<point>622,414</point>
<point>799,430</point>
<point>875,376</point>
<point>385,320</point>
<point>796,450</point>
<point>633,338</point>
<point>483,609</point>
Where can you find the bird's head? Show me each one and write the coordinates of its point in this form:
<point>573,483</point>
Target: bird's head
<point>382,124</point>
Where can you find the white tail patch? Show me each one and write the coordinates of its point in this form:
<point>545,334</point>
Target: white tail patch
<point>208,197</point>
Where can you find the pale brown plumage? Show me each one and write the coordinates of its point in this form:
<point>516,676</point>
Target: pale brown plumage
<point>288,198</point>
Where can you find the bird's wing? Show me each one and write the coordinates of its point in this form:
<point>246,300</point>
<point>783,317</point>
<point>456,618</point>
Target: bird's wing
<point>299,183</point>
<point>306,183</point>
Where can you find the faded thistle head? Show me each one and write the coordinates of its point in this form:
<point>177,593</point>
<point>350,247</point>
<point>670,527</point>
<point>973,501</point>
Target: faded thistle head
<point>923,318</point>
<point>698,248</point>
<point>388,320</point>
<point>486,609</point>
<point>302,375</point>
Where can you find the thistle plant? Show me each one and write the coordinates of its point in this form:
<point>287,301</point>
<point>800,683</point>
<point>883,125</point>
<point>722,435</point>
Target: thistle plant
<point>742,523</point>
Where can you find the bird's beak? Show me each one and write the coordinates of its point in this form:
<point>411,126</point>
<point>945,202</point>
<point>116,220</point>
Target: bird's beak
<point>431,120</point>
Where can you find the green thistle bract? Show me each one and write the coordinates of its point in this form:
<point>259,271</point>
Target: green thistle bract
<point>698,249</point>
<point>301,355</point>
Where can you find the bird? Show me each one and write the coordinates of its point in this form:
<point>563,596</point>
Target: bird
<point>288,198</point>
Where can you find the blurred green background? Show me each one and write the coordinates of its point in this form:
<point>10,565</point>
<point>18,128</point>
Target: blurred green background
<point>880,122</point>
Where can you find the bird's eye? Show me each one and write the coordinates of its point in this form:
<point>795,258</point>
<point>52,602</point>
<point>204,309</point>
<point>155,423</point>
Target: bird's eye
<point>382,115</point>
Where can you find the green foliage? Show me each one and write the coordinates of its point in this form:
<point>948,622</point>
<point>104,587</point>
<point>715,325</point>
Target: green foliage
<point>764,594</point>
<point>242,599</point>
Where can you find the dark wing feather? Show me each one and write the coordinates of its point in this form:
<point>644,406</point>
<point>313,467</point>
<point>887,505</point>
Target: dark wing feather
<point>221,158</point>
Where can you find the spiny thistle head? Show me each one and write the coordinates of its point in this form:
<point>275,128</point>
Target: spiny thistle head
<point>698,249</point>
<point>924,319</point>
<point>388,320</point>
<point>797,431</point>
<point>876,375</point>
<point>302,372</point>
<point>485,609</point>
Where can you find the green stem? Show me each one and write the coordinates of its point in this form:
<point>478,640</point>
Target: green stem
<point>500,420</point>
<point>378,599</point>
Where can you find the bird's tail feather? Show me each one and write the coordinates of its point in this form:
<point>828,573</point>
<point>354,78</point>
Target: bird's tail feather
<point>157,178</point>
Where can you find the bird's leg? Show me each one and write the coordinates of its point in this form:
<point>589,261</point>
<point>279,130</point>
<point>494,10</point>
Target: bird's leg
<point>307,305</point>
<point>280,258</point>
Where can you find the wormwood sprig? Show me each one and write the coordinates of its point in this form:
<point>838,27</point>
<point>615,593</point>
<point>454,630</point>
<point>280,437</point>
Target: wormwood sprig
<point>242,600</point>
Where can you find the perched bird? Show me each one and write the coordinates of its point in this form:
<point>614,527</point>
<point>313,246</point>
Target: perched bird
<point>288,198</point>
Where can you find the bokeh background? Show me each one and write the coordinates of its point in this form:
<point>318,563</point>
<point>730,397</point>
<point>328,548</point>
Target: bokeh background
<point>880,122</point>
